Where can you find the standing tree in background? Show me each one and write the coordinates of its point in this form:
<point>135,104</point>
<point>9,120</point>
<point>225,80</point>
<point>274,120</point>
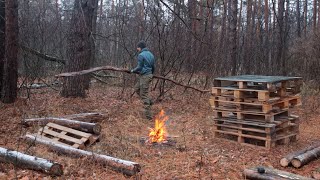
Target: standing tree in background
<point>2,40</point>
<point>233,35</point>
<point>79,47</point>
<point>10,71</point>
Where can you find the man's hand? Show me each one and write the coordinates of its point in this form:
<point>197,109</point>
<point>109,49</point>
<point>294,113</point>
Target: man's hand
<point>131,71</point>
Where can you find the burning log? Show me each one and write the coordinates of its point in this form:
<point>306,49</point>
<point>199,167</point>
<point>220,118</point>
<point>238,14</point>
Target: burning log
<point>32,162</point>
<point>265,173</point>
<point>285,161</point>
<point>82,126</point>
<point>305,158</point>
<point>126,167</point>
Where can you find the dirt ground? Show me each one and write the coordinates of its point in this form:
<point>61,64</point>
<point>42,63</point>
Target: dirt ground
<point>197,154</point>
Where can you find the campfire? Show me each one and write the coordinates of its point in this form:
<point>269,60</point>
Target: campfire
<point>159,135</point>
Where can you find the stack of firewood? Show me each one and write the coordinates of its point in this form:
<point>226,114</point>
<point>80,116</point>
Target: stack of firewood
<point>255,110</point>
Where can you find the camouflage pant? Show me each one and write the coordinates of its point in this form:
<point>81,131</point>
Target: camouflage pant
<point>142,89</point>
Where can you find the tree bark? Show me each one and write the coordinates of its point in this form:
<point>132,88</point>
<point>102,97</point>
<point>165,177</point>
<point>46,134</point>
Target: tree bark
<point>86,117</point>
<point>82,126</point>
<point>286,161</point>
<point>126,167</point>
<point>305,15</point>
<point>248,40</point>
<point>314,16</point>
<point>79,48</point>
<point>70,74</point>
<point>32,162</point>
<point>10,71</point>
<point>298,19</point>
<point>271,174</point>
<point>2,40</point>
<point>233,36</point>
<point>305,158</point>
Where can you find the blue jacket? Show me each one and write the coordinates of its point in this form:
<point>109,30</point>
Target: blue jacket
<point>145,62</point>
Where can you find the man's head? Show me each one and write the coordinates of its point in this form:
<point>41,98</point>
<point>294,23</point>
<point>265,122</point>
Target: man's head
<point>141,45</point>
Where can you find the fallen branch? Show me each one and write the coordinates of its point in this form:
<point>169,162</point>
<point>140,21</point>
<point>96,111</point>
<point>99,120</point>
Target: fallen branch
<point>305,158</point>
<point>126,167</point>
<point>69,74</point>
<point>32,162</point>
<point>79,125</point>
<point>286,161</point>
<point>266,173</point>
<point>41,55</point>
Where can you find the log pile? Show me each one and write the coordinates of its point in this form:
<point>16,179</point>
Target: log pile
<point>299,158</point>
<point>254,110</point>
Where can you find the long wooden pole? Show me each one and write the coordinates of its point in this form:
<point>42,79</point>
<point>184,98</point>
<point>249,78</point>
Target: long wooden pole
<point>79,125</point>
<point>69,74</point>
<point>305,158</point>
<point>126,167</point>
<point>32,162</point>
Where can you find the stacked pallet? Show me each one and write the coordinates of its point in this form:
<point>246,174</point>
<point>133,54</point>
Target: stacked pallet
<point>255,110</point>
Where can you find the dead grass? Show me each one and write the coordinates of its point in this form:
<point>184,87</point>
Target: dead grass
<point>197,156</point>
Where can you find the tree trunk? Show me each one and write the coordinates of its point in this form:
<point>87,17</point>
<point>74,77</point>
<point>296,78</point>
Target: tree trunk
<point>79,47</point>
<point>281,31</point>
<point>270,174</point>
<point>82,126</point>
<point>126,167</point>
<point>2,40</point>
<point>315,12</point>
<point>233,36</point>
<point>305,158</point>
<point>305,14</point>
<point>32,162</point>
<point>285,161</point>
<point>298,19</point>
<point>86,117</point>
<point>248,40</point>
<point>10,71</point>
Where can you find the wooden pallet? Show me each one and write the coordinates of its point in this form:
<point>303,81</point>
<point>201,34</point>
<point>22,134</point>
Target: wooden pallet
<point>270,83</point>
<point>229,104</point>
<point>256,133</point>
<point>250,115</point>
<point>66,136</point>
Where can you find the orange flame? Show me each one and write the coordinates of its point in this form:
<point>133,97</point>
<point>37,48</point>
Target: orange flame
<point>159,133</point>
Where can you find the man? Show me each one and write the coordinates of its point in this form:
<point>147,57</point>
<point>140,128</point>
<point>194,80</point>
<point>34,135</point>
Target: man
<point>145,68</point>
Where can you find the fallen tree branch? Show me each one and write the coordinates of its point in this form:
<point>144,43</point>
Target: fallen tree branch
<point>126,167</point>
<point>41,55</point>
<point>306,157</point>
<point>31,162</point>
<point>69,74</point>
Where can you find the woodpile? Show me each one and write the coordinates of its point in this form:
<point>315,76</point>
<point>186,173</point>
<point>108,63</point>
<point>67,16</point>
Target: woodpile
<point>255,110</point>
<point>299,158</point>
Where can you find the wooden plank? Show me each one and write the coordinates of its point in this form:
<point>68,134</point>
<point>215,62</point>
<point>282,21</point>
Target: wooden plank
<point>73,131</point>
<point>46,130</point>
<point>239,89</point>
<point>243,135</point>
<point>246,122</point>
<point>241,128</point>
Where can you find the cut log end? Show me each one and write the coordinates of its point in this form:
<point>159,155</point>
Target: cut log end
<point>296,163</point>
<point>284,162</point>
<point>97,129</point>
<point>56,170</point>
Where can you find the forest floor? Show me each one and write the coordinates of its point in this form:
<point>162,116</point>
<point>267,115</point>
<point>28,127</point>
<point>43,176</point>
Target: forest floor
<point>197,155</point>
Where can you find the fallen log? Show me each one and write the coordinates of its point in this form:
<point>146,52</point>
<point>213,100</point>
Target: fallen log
<point>31,162</point>
<point>69,74</point>
<point>266,173</point>
<point>82,126</point>
<point>126,167</point>
<point>85,117</point>
<point>305,158</point>
<point>286,161</point>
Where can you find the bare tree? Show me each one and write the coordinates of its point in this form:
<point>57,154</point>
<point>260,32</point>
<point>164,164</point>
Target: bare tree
<point>10,73</point>
<point>233,35</point>
<point>298,19</point>
<point>79,50</point>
